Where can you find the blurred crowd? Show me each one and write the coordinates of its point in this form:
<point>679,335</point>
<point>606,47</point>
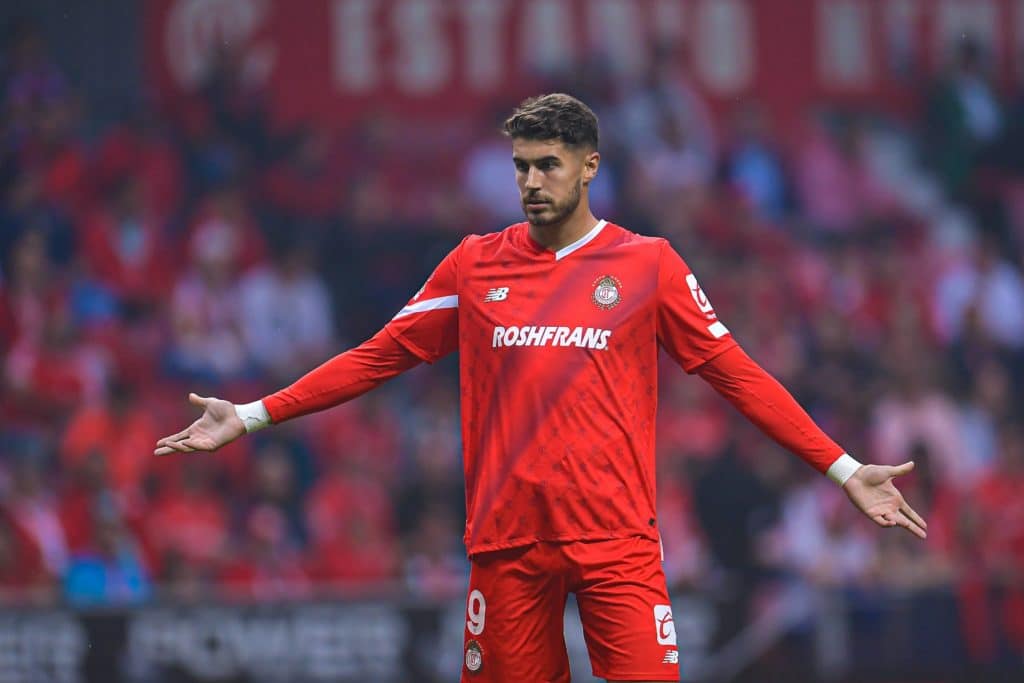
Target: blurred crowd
<point>871,262</point>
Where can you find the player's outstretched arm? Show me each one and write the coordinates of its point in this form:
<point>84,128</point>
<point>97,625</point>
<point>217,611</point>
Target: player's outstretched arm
<point>340,379</point>
<point>217,426</point>
<point>871,489</point>
<point>767,404</point>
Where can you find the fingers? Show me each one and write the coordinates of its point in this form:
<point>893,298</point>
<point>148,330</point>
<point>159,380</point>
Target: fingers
<point>166,447</point>
<point>910,525</point>
<point>197,400</point>
<point>174,443</point>
<point>173,437</point>
<point>897,518</point>
<point>900,470</point>
<point>882,520</point>
<point>914,517</point>
<point>179,443</point>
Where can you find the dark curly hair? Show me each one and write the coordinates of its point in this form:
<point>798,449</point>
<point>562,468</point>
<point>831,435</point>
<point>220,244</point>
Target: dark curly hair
<point>555,116</point>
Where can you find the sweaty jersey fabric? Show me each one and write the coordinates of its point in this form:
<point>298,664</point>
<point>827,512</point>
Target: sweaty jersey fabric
<point>558,373</point>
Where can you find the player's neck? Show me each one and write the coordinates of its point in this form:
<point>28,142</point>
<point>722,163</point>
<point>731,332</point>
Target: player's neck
<point>560,235</point>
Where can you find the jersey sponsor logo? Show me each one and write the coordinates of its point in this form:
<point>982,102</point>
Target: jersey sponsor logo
<point>474,657</point>
<point>699,297</point>
<point>496,294</point>
<point>607,292</point>
<point>550,335</point>
<point>671,657</point>
<point>665,627</point>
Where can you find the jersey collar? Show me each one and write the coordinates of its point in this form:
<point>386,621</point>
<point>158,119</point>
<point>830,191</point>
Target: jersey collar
<point>581,242</point>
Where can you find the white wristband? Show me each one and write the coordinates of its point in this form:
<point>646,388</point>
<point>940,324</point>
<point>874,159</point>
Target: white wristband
<point>253,415</point>
<point>843,468</point>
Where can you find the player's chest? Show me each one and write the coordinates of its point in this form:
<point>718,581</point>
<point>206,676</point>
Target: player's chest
<point>598,293</point>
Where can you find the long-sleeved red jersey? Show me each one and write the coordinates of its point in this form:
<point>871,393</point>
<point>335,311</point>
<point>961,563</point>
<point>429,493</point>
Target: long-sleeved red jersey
<point>558,371</point>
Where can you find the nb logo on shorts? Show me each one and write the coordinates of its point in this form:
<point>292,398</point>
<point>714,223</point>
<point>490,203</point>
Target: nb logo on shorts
<point>671,657</point>
<point>664,626</point>
<point>496,294</point>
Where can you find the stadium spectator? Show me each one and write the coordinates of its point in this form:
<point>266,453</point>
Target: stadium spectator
<point>988,405</point>
<point>989,282</point>
<point>286,314</point>
<point>35,510</point>
<point>304,186</point>
<point>434,565</point>
<point>835,186</point>
<point>23,576</point>
<point>30,75</point>
<point>206,308</point>
<point>274,482</point>
<point>914,411</point>
<point>116,426</point>
<point>686,553</point>
<point>265,565</point>
<point>753,164</point>
<point>110,570</point>
<point>187,525</point>
<point>964,116</point>
<point>49,367</point>
<point>352,531</point>
<point>125,247</point>
<point>25,210</point>
<point>829,549</point>
<point>663,109</point>
<point>142,151</point>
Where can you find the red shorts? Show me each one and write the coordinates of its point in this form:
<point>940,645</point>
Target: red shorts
<point>516,603</point>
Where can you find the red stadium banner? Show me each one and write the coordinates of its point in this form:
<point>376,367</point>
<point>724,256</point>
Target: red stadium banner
<point>335,60</point>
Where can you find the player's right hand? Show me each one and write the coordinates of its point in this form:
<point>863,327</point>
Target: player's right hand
<point>218,425</point>
<point>871,489</point>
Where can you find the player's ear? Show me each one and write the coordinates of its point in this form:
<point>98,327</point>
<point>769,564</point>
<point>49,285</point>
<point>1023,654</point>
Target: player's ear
<point>591,161</point>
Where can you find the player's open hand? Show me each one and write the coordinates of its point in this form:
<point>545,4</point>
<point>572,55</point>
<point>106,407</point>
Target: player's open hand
<point>871,489</point>
<point>218,425</point>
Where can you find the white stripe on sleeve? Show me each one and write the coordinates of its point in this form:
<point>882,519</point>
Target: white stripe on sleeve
<point>718,330</point>
<point>429,305</point>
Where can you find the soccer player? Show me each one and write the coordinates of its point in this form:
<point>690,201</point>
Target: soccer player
<point>558,321</point>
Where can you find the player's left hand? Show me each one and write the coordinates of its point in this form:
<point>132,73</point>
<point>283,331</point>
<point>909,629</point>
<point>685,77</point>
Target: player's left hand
<point>871,489</point>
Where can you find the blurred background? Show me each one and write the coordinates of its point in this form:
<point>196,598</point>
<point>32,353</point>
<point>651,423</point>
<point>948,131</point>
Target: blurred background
<point>216,195</point>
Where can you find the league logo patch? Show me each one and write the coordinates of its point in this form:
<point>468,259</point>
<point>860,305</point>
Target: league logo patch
<point>474,657</point>
<point>699,297</point>
<point>607,292</point>
<point>663,624</point>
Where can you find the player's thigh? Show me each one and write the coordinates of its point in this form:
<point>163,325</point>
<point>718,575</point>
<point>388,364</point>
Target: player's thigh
<point>626,614</point>
<point>514,620</point>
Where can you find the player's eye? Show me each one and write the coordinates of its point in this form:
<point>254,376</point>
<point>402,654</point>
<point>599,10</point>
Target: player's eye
<point>521,166</point>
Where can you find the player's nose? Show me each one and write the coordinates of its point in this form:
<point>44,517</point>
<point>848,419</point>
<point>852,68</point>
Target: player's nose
<point>532,179</point>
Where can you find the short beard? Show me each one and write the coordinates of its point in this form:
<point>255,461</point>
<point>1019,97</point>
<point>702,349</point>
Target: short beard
<point>559,212</point>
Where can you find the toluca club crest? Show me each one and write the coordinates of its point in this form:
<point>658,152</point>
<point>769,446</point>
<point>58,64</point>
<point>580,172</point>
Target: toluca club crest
<point>607,292</point>
<point>474,656</point>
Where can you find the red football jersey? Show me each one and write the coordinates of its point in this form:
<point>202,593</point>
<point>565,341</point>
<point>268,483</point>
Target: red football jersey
<point>558,372</point>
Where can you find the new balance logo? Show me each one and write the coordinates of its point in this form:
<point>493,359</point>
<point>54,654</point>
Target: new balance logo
<point>496,294</point>
<point>671,657</point>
